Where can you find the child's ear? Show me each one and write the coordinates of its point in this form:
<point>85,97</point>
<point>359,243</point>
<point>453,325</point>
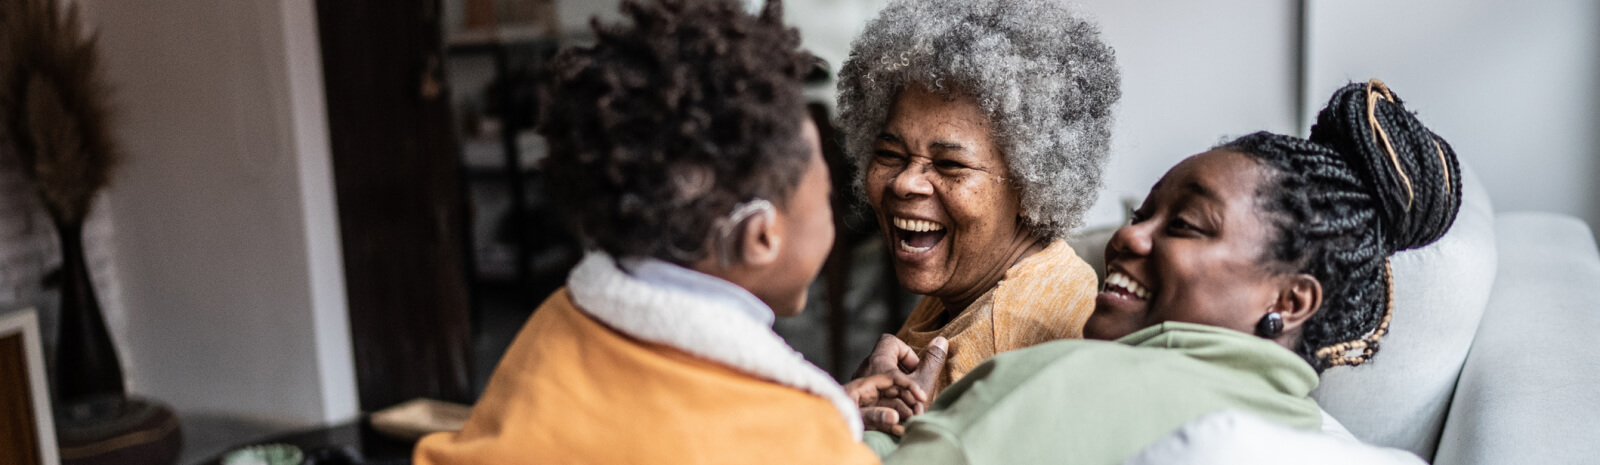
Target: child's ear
<point>759,241</point>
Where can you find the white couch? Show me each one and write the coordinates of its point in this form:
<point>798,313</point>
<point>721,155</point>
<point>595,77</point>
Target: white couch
<point>1490,358</point>
<point>1529,391</point>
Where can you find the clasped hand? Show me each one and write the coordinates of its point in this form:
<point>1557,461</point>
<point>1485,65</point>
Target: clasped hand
<point>893,383</point>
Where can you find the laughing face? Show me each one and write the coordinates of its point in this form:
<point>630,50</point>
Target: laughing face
<point>938,184</point>
<point>1194,253</point>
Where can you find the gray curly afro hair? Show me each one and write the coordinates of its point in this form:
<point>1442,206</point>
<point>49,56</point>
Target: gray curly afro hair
<point>1038,70</point>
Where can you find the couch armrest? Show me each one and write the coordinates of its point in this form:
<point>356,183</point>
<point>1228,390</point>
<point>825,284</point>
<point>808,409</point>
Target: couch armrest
<point>1528,391</point>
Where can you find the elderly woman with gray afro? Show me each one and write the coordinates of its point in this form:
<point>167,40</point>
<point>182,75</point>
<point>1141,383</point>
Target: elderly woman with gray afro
<point>980,129</point>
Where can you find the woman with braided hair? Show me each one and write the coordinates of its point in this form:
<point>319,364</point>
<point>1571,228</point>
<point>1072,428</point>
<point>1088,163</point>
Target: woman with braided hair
<point>1249,270</point>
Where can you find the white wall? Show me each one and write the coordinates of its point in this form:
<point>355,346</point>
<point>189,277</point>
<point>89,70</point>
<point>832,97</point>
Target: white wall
<point>226,233</point>
<point>1514,85</point>
<point>1193,73</point>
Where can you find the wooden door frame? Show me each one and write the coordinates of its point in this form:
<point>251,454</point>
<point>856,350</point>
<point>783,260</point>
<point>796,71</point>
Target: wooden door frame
<point>401,209</point>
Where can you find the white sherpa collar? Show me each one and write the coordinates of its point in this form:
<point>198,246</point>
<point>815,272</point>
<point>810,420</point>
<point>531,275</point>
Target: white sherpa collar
<point>707,328</point>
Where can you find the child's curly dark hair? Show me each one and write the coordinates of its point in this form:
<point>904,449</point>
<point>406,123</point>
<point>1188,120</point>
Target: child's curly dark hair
<point>663,125</point>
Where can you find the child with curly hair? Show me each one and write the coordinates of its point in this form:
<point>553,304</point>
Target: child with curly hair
<point>683,158</point>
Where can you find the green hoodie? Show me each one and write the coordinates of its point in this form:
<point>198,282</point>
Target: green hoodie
<point>1077,401</point>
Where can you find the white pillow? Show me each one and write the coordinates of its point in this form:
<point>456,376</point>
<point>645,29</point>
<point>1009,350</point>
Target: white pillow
<point>1233,437</point>
<point>1400,398</point>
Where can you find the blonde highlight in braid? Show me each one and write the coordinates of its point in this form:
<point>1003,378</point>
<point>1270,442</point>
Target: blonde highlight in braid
<point>1380,135</point>
<point>1339,354</point>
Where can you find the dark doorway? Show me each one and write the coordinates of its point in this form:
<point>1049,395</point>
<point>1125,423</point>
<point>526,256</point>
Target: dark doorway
<point>401,208</point>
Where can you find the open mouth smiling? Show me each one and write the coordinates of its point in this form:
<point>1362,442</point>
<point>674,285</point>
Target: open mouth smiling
<point>914,236</point>
<point>1121,285</point>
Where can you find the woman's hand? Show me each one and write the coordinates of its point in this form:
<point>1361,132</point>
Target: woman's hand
<point>885,398</point>
<point>892,355</point>
<point>894,359</point>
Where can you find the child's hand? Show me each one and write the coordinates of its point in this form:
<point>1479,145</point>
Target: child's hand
<point>885,398</point>
<point>892,355</point>
<point>900,392</point>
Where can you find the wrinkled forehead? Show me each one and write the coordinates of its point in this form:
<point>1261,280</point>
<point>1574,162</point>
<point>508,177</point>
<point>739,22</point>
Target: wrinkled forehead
<point>919,101</point>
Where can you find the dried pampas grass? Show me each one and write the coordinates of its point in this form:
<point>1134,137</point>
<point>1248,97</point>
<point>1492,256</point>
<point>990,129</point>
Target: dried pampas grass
<point>52,105</point>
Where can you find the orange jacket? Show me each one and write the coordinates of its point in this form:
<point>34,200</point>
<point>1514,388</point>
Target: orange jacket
<point>572,390</point>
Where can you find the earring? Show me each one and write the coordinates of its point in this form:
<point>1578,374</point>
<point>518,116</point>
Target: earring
<point>1270,325</point>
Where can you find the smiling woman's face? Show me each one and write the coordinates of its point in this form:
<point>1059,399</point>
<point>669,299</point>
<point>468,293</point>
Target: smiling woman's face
<point>937,183</point>
<point>1194,253</point>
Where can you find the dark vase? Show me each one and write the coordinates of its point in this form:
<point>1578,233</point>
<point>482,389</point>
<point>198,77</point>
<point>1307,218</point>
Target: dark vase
<point>94,415</point>
<point>86,363</point>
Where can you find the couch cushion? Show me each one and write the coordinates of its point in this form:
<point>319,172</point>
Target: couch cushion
<point>1400,398</point>
<point>1090,244</point>
<point>1527,391</point>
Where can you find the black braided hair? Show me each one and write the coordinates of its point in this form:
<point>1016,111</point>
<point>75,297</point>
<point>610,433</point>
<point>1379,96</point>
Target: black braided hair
<point>663,125</point>
<point>1341,207</point>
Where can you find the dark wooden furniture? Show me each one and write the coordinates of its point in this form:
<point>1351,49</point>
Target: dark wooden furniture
<point>18,426</point>
<point>838,273</point>
<point>401,212</point>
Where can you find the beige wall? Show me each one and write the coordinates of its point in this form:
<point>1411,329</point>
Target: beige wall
<point>226,235</point>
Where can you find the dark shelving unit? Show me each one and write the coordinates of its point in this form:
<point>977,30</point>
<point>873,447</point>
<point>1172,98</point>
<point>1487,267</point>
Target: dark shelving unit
<point>504,192</point>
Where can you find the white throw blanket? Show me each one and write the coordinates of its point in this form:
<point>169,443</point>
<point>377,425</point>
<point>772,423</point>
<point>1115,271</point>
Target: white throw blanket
<point>1237,438</point>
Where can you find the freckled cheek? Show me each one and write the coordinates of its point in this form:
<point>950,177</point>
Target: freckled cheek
<point>876,182</point>
<point>978,210</point>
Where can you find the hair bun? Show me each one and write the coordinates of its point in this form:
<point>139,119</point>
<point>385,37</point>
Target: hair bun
<point>1413,172</point>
